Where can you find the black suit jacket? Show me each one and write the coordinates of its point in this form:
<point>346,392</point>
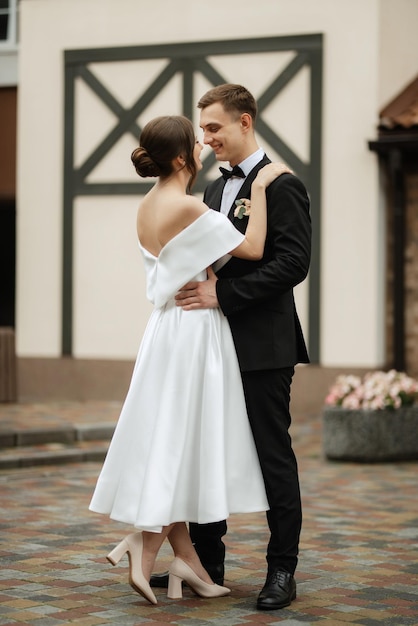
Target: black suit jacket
<point>257,296</point>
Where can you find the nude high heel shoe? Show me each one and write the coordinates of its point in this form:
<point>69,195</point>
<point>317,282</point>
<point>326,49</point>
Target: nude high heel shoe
<point>179,571</point>
<point>132,544</point>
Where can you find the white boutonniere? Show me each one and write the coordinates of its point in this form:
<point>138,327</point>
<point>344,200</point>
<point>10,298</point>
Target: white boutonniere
<point>243,208</point>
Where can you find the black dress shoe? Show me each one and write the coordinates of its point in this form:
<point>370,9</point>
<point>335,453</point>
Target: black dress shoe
<point>216,572</point>
<point>159,580</point>
<point>278,592</point>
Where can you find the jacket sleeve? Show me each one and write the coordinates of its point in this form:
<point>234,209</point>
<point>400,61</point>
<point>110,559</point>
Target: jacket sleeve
<point>286,256</point>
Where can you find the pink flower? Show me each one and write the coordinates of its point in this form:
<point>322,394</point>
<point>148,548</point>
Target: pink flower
<point>377,390</point>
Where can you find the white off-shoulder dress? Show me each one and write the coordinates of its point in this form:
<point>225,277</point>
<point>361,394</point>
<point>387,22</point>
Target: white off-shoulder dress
<point>183,449</point>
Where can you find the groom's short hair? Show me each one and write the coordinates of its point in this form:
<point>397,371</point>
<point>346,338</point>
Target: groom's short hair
<point>234,99</point>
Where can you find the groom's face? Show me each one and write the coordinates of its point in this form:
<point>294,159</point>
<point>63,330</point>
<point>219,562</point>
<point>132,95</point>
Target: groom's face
<point>222,131</point>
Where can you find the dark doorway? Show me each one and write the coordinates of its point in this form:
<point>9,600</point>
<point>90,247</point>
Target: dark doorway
<point>7,262</point>
<point>8,107</point>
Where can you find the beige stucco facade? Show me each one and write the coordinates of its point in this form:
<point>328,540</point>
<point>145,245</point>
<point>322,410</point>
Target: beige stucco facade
<point>370,52</point>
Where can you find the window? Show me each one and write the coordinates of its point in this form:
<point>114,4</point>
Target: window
<point>8,22</point>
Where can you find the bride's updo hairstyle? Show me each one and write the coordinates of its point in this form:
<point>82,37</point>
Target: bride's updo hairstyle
<point>161,141</point>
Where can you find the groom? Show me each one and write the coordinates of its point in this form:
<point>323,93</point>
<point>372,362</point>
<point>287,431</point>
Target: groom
<point>257,298</point>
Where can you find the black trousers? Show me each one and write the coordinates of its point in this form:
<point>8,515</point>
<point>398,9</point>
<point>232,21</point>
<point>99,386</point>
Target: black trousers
<point>267,395</point>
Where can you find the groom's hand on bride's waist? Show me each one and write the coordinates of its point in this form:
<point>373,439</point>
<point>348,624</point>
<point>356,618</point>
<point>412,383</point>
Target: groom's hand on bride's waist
<point>199,294</point>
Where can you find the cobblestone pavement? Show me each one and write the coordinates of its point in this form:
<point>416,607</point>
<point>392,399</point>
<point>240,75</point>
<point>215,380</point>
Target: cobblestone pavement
<point>358,561</point>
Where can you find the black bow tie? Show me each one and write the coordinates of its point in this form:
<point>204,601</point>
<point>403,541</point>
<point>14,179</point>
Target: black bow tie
<point>236,171</point>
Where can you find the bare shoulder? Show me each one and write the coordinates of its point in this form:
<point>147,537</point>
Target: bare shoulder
<point>172,216</point>
<point>188,209</point>
<point>193,206</point>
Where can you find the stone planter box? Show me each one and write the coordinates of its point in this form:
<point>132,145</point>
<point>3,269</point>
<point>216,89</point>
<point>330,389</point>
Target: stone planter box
<point>370,436</point>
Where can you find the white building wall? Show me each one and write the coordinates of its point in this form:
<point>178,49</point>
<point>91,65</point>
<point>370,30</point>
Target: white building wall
<point>398,47</point>
<point>110,310</point>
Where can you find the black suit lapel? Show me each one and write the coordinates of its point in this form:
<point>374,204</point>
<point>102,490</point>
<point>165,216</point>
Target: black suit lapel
<point>213,194</point>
